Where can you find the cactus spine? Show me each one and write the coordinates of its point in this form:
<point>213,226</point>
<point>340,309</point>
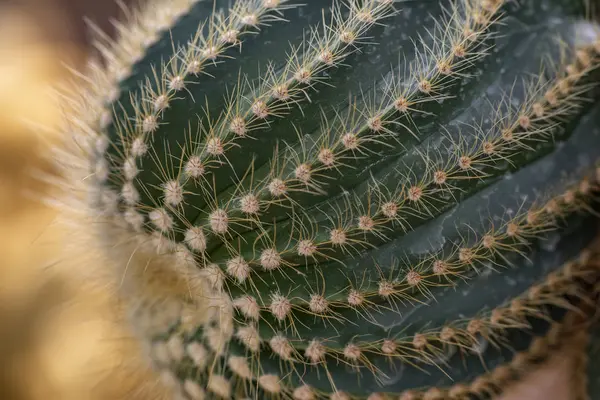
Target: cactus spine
<point>370,200</point>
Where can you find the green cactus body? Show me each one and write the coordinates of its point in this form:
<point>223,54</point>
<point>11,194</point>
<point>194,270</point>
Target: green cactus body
<point>371,200</point>
<point>590,384</point>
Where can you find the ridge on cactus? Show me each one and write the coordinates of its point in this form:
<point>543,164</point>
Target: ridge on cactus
<point>360,199</point>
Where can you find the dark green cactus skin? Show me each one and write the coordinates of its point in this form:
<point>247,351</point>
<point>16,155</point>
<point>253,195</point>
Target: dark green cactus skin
<point>555,155</point>
<point>452,366</point>
<point>593,363</point>
<point>525,28</point>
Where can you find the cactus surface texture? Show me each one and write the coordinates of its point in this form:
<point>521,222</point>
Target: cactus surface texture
<point>360,199</point>
<point>590,363</point>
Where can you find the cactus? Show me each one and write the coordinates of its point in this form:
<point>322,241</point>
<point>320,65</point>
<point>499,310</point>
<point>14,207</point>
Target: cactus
<point>375,199</point>
<point>590,364</point>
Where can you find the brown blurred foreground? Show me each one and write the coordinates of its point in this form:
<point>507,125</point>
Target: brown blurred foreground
<point>58,339</point>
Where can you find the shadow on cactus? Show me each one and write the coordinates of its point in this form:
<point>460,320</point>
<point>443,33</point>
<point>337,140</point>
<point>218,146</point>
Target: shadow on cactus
<point>364,200</point>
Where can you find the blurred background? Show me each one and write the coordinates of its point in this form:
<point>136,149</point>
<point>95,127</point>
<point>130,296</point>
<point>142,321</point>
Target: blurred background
<point>57,339</point>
